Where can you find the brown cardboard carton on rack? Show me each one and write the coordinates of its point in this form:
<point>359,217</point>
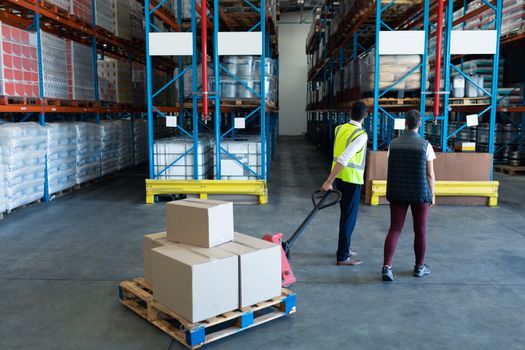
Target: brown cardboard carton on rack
<point>203,223</point>
<point>196,283</point>
<point>259,268</point>
<point>151,241</point>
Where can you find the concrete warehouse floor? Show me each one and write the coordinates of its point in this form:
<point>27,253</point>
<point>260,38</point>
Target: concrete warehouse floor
<point>60,265</point>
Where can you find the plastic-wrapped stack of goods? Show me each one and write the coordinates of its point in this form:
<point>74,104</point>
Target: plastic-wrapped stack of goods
<point>87,151</point>
<point>126,150</point>
<point>392,69</point>
<point>168,97</point>
<point>24,161</point>
<point>139,84</point>
<point>63,4</point>
<point>512,19</point>
<point>2,184</point>
<point>18,62</point>
<point>122,18</point>
<point>141,140</point>
<point>61,156</point>
<point>118,76</point>
<point>80,72</point>
<point>247,152</point>
<point>82,9</point>
<point>137,20</point>
<point>109,146</point>
<point>475,22</point>
<point>104,15</point>
<point>54,60</point>
<point>167,151</point>
<point>185,9</point>
<point>248,69</point>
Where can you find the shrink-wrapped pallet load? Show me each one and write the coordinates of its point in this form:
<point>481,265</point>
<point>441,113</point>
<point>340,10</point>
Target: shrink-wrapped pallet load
<point>104,14</point>
<point>87,152</point>
<point>115,76</point>
<point>126,149</point>
<point>80,72</point>
<point>61,156</point>
<point>23,157</point>
<point>109,146</point>
<point>18,62</point>
<point>54,63</point>
<point>141,140</point>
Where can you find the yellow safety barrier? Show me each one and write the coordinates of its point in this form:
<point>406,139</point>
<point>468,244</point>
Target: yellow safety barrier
<point>487,189</point>
<point>203,188</point>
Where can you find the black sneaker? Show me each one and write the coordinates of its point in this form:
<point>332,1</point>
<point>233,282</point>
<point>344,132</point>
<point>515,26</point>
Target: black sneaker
<point>422,270</point>
<point>387,273</point>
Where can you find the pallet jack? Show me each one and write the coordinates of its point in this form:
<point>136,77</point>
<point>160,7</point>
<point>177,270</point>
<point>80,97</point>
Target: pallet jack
<point>321,200</point>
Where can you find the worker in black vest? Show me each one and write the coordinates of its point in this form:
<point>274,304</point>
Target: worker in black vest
<point>410,184</point>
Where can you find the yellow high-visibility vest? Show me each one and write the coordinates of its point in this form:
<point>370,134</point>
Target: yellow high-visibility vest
<point>354,171</point>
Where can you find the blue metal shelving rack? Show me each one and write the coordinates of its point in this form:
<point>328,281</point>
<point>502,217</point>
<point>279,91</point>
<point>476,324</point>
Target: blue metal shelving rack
<point>260,114</point>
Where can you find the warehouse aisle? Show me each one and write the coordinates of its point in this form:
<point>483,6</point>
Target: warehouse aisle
<point>60,264</point>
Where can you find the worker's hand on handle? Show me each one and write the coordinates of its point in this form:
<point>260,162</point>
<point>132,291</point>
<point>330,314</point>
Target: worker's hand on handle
<point>327,186</point>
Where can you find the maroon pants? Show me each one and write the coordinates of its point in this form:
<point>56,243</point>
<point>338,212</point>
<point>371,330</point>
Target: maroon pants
<point>398,214</point>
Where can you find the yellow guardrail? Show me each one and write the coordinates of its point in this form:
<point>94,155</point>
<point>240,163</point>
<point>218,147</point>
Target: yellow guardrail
<point>487,189</point>
<point>203,188</point>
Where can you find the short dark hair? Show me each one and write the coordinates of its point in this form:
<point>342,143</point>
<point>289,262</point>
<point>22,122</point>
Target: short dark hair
<point>413,119</point>
<point>359,111</point>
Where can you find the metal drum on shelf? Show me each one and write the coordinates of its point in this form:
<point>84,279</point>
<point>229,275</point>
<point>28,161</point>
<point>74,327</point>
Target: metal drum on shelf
<point>229,88</point>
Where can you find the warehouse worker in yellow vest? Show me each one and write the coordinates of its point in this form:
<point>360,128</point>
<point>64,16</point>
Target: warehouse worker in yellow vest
<point>347,175</point>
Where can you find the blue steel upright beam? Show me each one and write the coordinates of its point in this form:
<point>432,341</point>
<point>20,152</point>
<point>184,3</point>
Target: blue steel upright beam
<point>423,105</point>
<point>95,58</point>
<point>495,75</point>
<point>194,86</point>
<point>149,91</point>
<point>263,91</point>
<point>41,91</point>
<point>447,64</point>
<point>376,77</point>
<point>216,72</point>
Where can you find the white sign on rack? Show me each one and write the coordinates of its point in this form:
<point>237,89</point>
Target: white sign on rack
<point>171,44</point>
<point>239,123</point>
<point>472,120</point>
<point>171,121</point>
<point>402,42</point>
<point>473,42</point>
<point>399,124</point>
<point>240,43</point>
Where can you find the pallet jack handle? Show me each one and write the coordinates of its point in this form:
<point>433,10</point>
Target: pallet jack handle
<point>321,200</point>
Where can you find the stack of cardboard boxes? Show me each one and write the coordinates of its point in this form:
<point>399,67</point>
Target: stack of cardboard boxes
<point>200,268</point>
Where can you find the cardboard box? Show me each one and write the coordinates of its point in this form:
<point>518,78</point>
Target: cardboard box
<point>151,241</point>
<point>204,223</point>
<point>196,283</point>
<point>259,268</point>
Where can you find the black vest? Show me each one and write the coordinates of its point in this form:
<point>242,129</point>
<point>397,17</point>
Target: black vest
<point>407,170</point>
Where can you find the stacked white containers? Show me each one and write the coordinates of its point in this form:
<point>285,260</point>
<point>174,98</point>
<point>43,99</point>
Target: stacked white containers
<point>168,151</point>
<point>104,14</point>
<point>247,152</point>
<point>126,149</point>
<point>81,9</point>
<point>23,155</point>
<point>122,18</point>
<point>18,62</point>
<point>137,20</point>
<point>139,84</point>
<point>392,69</point>
<point>80,72</point>
<point>54,61</point>
<point>87,152</point>
<point>61,156</point>
<point>63,4</point>
<point>141,140</point>
<point>109,146</point>
<point>119,78</point>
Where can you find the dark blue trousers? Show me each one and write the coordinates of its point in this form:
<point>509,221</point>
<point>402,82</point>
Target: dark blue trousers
<point>349,209</point>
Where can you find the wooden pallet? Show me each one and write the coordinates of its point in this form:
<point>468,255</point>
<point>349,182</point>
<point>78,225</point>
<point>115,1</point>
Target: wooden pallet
<point>390,102</point>
<point>24,206</point>
<point>469,101</point>
<point>510,170</point>
<point>15,100</point>
<point>247,102</point>
<point>137,296</point>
